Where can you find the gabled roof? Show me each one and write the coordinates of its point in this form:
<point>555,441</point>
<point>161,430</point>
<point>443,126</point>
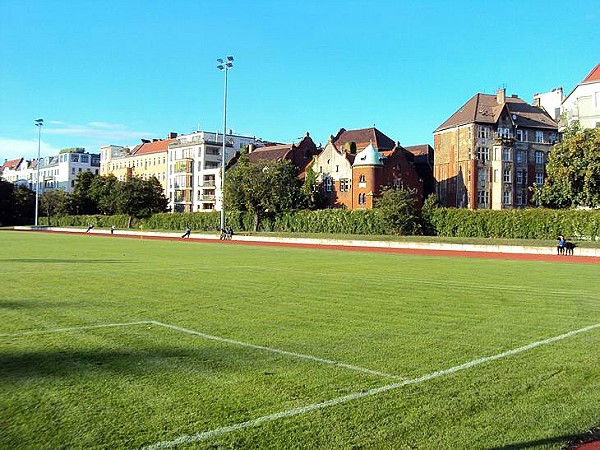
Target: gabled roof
<point>157,146</point>
<point>271,153</point>
<point>484,108</point>
<point>422,149</point>
<point>593,76</point>
<point>362,138</point>
<point>12,164</point>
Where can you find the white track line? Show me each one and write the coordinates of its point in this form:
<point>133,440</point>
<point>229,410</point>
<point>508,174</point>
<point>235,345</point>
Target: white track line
<point>277,350</point>
<point>188,439</point>
<point>85,327</point>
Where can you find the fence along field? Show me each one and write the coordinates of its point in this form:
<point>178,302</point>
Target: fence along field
<point>274,348</point>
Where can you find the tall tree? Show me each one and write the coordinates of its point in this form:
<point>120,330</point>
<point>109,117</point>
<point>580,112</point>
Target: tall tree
<point>263,186</point>
<point>137,197</point>
<point>573,171</point>
<point>103,191</point>
<point>54,202</point>
<point>7,202</point>
<point>81,198</point>
<point>397,207</point>
<point>24,201</point>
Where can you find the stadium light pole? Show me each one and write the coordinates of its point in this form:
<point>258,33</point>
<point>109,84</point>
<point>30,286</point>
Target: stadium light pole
<point>224,66</point>
<point>38,123</point>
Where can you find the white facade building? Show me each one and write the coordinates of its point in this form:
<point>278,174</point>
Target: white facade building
<point>550,101</point>
<point>583,103</point>
<point>194,172</point>
<point>56,172</point>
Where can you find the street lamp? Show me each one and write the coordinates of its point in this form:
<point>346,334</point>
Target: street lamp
<point>38,123</point>
<point>224,66</point>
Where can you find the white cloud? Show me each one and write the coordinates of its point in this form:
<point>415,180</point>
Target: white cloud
<point>103,133</point>
<point>22,148</point>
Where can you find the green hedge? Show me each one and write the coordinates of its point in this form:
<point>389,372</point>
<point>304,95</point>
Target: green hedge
<point>535,223</point>
<point>538,223</point>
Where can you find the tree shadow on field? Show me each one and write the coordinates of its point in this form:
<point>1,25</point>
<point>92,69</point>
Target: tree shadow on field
<point>16,365</point>
<point>32,304</point>
<point>573,441</point>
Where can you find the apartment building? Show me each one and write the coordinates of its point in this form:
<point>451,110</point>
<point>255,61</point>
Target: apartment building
<point>194,169</point>
<point>488,153</point>
<point>583,103</point>
<point>145,160</point>
<point>55,171</point>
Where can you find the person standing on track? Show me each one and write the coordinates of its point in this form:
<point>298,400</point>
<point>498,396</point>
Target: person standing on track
<point>187,233</point>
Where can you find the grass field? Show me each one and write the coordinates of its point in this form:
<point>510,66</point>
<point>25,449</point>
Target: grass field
<point>132,343</point>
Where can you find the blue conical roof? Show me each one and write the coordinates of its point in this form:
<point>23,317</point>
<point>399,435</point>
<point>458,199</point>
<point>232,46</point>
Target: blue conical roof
<point>369,157</point>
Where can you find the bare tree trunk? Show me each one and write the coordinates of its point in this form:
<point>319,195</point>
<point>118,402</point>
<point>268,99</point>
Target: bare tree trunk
<point>256,221</point>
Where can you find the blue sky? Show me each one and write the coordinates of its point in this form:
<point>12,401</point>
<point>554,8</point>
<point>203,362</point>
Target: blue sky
<point>114,71</point>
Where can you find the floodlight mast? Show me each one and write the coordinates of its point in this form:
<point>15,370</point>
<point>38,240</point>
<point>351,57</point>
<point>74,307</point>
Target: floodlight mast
<point>38,123</point>
<point>224,66</point>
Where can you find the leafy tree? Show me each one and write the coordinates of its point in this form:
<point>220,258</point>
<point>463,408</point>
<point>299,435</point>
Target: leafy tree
<point>54,203</point>
<point>430,203</point>
<point>312,193</point>
<point>7,202</point>
<point>573,171</point>
<point>24,203</point>
<point>263,186</point>
<point>103,191</point>
<point>139,198</point>
<point>81,198</point>
<point>397,207</point>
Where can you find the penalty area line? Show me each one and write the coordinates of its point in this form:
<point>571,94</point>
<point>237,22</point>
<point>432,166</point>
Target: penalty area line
<point>279,351</point>
<point>189,439</point>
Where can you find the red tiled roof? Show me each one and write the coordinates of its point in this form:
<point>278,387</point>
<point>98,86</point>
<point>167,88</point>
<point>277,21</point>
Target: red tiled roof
<point>12,163</point>
<point>363,137</point>
<point>270,153</point>
<point>593,76</point>
<point>159,146</point>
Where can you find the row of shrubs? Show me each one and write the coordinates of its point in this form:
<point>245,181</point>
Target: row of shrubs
<point>536,223</point>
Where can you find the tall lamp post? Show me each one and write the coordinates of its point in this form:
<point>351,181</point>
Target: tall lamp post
<point>38,123</point>
<point>224,66</point>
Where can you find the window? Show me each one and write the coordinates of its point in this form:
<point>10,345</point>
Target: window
<point>506,176</point>
<point>482,177</point>
<point>362,180</point>
<point>520,157</point>
<point>337,168</point>
<point>482,197</point>
<point>519,178</point>
<point>539,178</point>
<point>506,198</point>
<point>539,158</point>
<point>483,132</point>
<point>328,184</point>
<point>520,135</point>
<point>482,153</point>
<point>519,198</point>
<point>344,185</point>
<point>505,154</point>
<point>361,199</point>
<point>539,137</point>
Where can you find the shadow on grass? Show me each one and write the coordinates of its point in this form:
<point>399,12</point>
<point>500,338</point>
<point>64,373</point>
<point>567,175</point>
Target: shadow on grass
<point>569,441</point>
<point>67,363</point>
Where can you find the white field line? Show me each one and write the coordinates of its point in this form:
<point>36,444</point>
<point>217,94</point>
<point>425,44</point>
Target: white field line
<point>85,327</point>
<point>188,439</point>
<point>214,338</point>
<point>277,350</point>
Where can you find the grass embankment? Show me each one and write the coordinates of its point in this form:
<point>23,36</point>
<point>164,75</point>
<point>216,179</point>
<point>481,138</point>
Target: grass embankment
<point>403,316</point>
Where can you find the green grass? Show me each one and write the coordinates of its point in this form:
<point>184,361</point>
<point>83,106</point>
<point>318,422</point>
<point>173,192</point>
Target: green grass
<point>404,315</point>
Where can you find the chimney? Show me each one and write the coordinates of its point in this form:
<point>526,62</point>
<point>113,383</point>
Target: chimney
<point>251,148</point>
<point>501,96</point>
<point>172,135</point>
